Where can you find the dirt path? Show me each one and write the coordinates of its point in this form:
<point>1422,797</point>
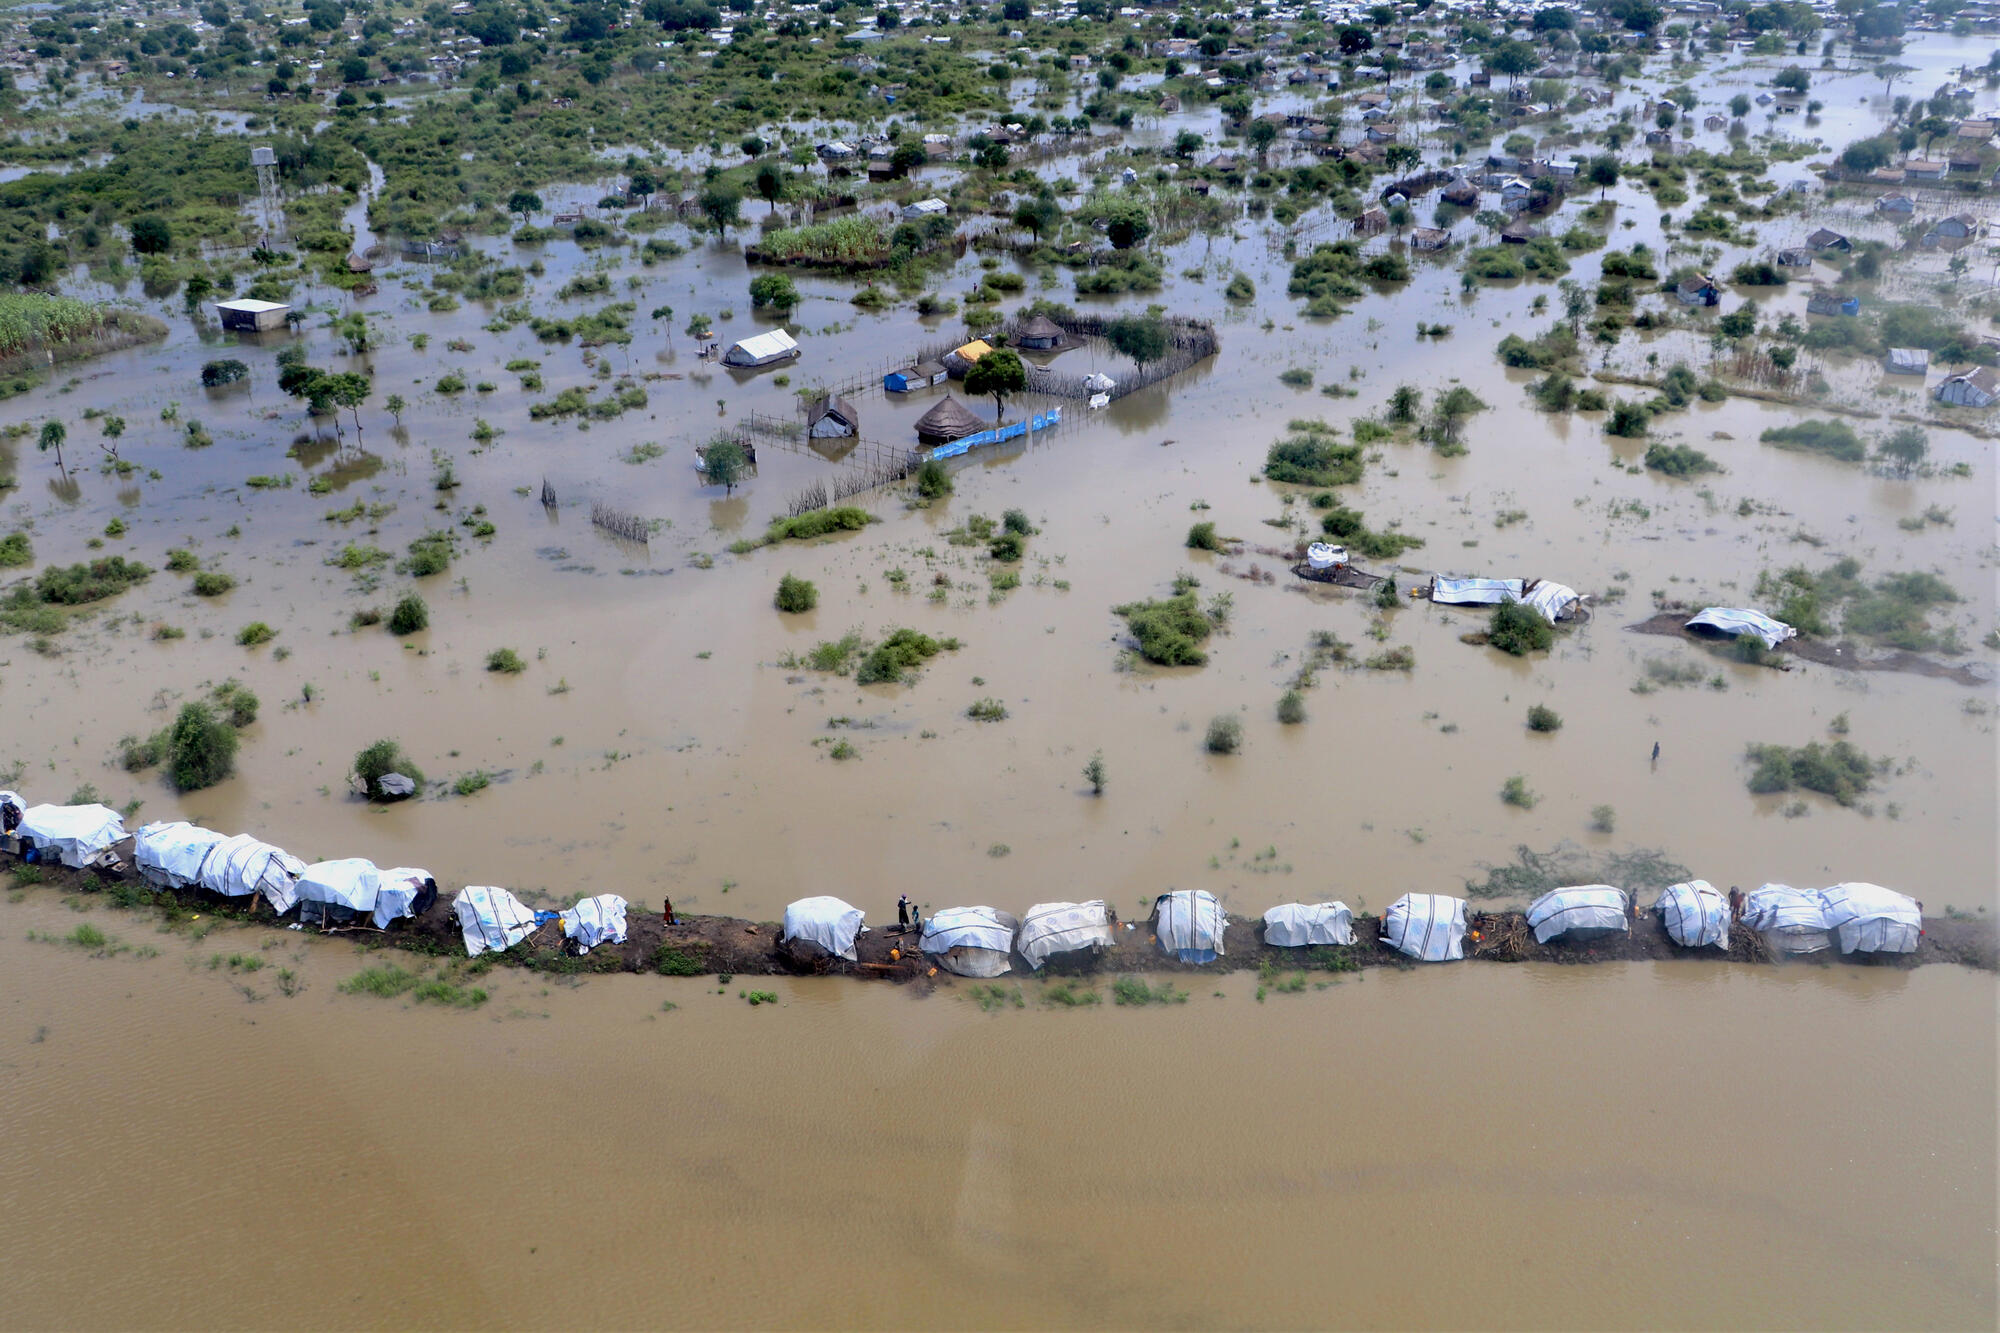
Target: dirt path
<point>1846,654</point>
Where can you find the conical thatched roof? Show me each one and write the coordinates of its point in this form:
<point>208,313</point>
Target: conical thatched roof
<point>949,420</point>
<point>1039,326</point>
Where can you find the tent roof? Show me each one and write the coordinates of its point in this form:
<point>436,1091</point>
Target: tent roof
<point>351,881</point>
<point>826,921</point>
<point>1585,907</point>
<point>1190,921</point>
<point>949,419</point>
<point>251,307</point>
<point>1695,914</point>
<point>973,350</point>
<point>761,345</point>
<point>1426,926</point>
<point>1737,620</point>
<point>969,927</point>
<point>1051,928</point>
<point>839,407</point>
<point>1294,925</point>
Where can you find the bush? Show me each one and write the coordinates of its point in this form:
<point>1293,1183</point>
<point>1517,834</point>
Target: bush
<point>819,522</point>
<point>1312,456</point>
<point>1543,718</point>
<point>1351,529</point>
<point>1201,537</point>
<point>430,554</point>
<point>1515,792</point>
<point>1008,546</point>
<point>1628,419</point>
<point>379,760</point>
<point>506,661</point>
<point>1169,631</point>
<point>1016,521</point>
<point>136,754</point>
<point>1679,460</point>
<point>933,479</point>
<point>1225,734</point>
<point>15,551</point>
<point>1835,439</point>
<point>796,594</point>
<point>987,710</point>
<point>75,585</point>
<point>1291,708</point>
<point>1519,630</point>
<point>897,656</point>
<point>1838,770</point>
<point>215,374</point>
<point>239,700</point>
<point>212,583</point>
<point>254,633</point>
<point>1386,596</point>
<point>410,615</point>
<point>774,290</point>
<point>182,561</point>
<point>201,748</point>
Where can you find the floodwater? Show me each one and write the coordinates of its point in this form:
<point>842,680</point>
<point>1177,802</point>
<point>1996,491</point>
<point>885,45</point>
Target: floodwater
<point>1671,1145</point>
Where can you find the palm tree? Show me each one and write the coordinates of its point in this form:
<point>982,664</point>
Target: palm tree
<point>53,435</point>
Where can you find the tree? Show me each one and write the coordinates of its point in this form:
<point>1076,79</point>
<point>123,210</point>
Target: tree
<point>1740,322</point>
<point>201,748</point>
<point>524,203</point>
<point>907,158</point>
<point>774,290</point>
<point>1905,449</point>
<point>1038,216</point>
<point>723,463</point>
<point>643,183</point>
<point>1739,105</point>
<point>720,204</point>
<point>354,331</point>
<point>1186,144</point>
<point>151,235</point>
<point>1143,338</point>
<point>1262,134</point>
<point>349,389</point>
<point>1127,225</point>
<point>1865,155</point>
<point>1890,73</point>
<point>1603,173</point>
<point>1400,157</point>
<point>1933,128</point>
<point>770,184</point>
<point>1576,300</point>
<point>53,435</point>
<point>991,157</point>
<point>1512,59</point>
<point>394,402</point>
<point>1792,79</point>
<point>998,373</point>
<point>1094,773</point>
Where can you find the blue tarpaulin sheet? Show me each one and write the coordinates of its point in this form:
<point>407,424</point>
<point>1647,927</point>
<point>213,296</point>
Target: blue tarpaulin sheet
<point>1040,421</point>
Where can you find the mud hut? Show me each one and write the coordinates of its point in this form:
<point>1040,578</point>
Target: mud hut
<point>970,941</point>
<point>1039,333</point>
<point>1586,912</point>
<point>1302,925</point>
<point>1052,929</point>
<point>832,418</point>
<point>820,929</point>
<point>1695,915</point>
<point>947,420</point>
<point>1190,924</point>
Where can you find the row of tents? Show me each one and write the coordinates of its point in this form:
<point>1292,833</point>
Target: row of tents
<point>1429,927</point>
<point>347,893</point>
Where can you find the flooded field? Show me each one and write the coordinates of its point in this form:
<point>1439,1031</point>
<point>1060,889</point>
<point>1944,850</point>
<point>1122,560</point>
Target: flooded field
<point>1657,1145</point>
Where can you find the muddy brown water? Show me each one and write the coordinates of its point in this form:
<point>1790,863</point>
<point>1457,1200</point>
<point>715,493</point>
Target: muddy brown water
<point>1652,1145</point>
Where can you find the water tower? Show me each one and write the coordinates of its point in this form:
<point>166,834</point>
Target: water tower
<point>265,160</point>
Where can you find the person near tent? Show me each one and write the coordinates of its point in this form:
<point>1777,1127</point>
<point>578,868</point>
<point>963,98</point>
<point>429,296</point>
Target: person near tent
<point>903,913</point>
<point>1735,903</point>
<point>916,918</point>
<point>667,912</point>
<point>10,817</point>
<point>1632,904</point>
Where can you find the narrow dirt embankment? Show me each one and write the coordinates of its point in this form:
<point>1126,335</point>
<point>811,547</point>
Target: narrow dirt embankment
<point>713,945</point>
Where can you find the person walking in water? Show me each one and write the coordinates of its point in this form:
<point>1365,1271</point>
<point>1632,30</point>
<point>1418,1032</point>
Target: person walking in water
<point>1656,752</point>
<point>903,912</point>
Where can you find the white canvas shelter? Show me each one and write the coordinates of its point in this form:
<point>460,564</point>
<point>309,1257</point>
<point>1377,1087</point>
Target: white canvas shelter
<point>595,921</point>
<point>1475,592</point>
<point>1053,928</point>
<point>72,833</point>
<point>1871,919</point>
<point>763,349</point>
<point>1790,920</point>
<point>1695,914</point>
<point>491,918</point>
<point>252,315</point>
<point>1429,927</point>
<point>243,866</point>
<point>1737,620</point>
<point>1324,555</point>
<point>970,941</point>
<point>826,921</point>
<point>169,854</point>
<point>338,891</point>
<point>1584,907</point>
<point>1553,601</point>
<point>1099,382</point>
<point>1190,924</point>
<point>924,208</point>
<point>1299,925</point>
<point>403,891</point>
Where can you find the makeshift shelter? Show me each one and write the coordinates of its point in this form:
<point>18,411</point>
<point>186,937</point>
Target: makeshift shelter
<point>763,349</point>
<point>1586,911</point>
<point>1302,925</point>
<point>403,891</point>
<point>71,834</point>
<point>1733,620</point>
<point>1868,918</point>
<point>1190,924</point>
<point>169,854</point>
<point>491,918</point>
<point>924,208</point>
<point>338,893</point>
<point>1052,928</point>
<point>1790,920</point>
<point>1039,333</point>
<point>1695,914</point>
<point>595,921</point>
<point>1827,239</point>
<point>1978,387</point>
<point>1099,382</point>
<point>1475,592</point>
<point>947,420</point>
<point>1827,303</point>
<point>970,941</point>
<point>1429,927</point>
<point>822,926</point>
<point>1908,361</point>
<point>963,358</point>
<point>1432,238</point>
<point>1699,289</point>
<point>922,375</point>
<point>248,316</point>
<point>832,418</point>
<point>244,867</point>
<point>1553,601</point>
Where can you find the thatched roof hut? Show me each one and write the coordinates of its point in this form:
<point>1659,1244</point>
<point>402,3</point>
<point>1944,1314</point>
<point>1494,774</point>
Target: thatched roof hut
<point>949,420</point>
<point>1039,333</point>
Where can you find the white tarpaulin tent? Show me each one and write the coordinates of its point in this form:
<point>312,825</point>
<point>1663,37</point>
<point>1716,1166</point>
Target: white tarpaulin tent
<point>1475,592</point>
<point>491,918</point>
<point>1790,920</point>
<point>404,891</point>
<point>242,866</point>
<point>1695,914</point>
<point>826,921</point>
<point>595,921</point>
<point>338,892</point>
<point>971,941</point>
<point>1736,620</point>
<point>169,854</point>
<point>1554,601</point>
<point>1429,927</point>
<point>1190,924</point>
<point>72,833</point>
<point>762,349</point>
<point>1297,925</point>
<point>1871,919</point>
<point>1584,907</point>
<point>1053,928</point>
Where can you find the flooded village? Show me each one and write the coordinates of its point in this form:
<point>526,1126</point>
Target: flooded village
<point>901,614</point>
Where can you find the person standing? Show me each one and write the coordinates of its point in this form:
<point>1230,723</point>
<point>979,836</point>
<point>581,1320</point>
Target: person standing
<point>903,913</point>
<point>1735,903</point>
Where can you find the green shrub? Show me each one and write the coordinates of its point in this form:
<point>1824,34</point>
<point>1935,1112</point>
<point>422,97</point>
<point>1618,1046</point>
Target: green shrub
<point>933,479</point>
<point>1313,456</point>
<point>796,594</point>
<point>819,522</point>
<point>1137,991</point>
<point>135,754</point>
<point>1679,460</point>
<point>897,656</point>
<point>1007,546</point>
<point>1386,596</point>
<point>1835,439</point>
<point>1169,631</point>
<point>1628,419</point>
<point>212,583</point>
<point>505,660</point>
<point>15,551</point>
<point>379,760</point>
<point>987,710</point>
<point>1296,378</point>
<point>201,748</point>
<point>1519,630</point>
<point>1016,522</point>
<point>1514,791</point>
<point>1291,708</point>
<point>1838,770</point>
<point>1543,718</point>
<point>411,614</point>
<point>254,633</point>
<point>430,554</point>
<point>677,961</point>
<point>75,585</point>
<point>1225,734</point>
<point>239,701</point>
<point>1201,537</point>
<point>1351,529</point>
